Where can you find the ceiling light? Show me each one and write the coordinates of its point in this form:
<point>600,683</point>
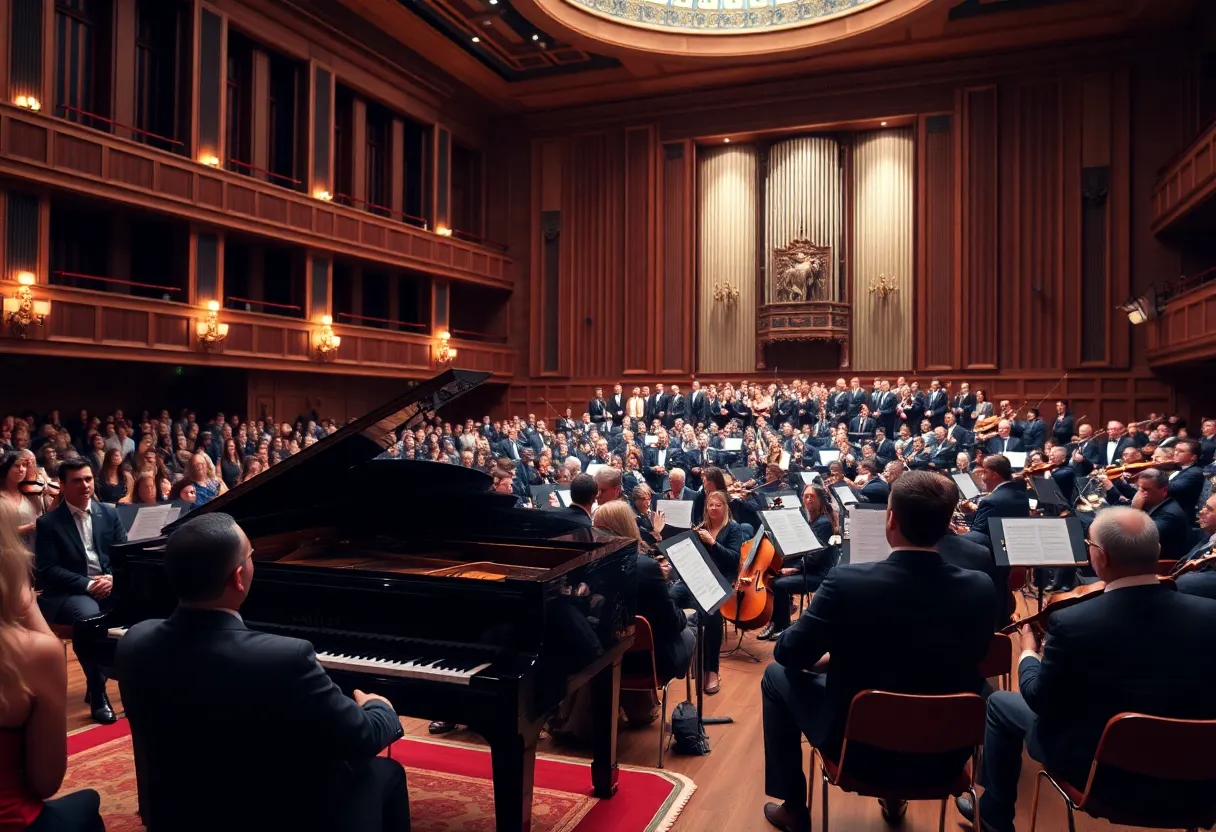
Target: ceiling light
<point>476,39</point>
<point>536,37</point>
<point>726,141</point>
<point>884,124</point>
<point>493,2</point>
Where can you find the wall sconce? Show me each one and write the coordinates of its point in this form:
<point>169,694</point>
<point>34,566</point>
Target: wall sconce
<point>445,354</point>
<point>210,331</point>
<point>884,288</point>
<point>323,195</point>
<point>28,102</point>
<point>443,231</point>
<point>726,293</point>
<point>325,341</point>
<point>210,160</point>
<point>21,310</point>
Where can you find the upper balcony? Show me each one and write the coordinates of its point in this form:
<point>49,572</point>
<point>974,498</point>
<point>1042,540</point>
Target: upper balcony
<point>58,153</point>
<point>1182,197</point>
<point>1184,332</point>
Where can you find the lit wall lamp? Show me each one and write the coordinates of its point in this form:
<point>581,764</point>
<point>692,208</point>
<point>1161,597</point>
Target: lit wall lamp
<point>884,288</point>
<point>21,311</point>
<point>445,353</point>
<point>323,195</point>
<point>210,160</point>
<point>443,231</point>
<point>325,341</point>
<point>726,293</point>
<point>210,331</point>
<point>28,102</point>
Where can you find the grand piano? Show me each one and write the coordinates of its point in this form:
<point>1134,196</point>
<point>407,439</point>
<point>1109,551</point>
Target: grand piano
<point>415,581</point>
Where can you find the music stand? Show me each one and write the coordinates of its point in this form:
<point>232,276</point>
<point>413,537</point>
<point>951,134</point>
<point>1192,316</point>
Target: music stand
<point>1048,492</point>
<point>709,591</point>
<point>1038,543</point>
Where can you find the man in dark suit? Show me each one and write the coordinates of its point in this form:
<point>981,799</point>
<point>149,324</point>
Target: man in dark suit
<point>936,403</point>
<point>1032,431</point>
<point>201,680</point>
<point>583,491</point>
<point>1173,526</point>
<point>875,489</point>
<point>677,407</point>
<point>1004,441</point>
<point>863,424</point>
<point>656,406</point>
<point>1186,484</point>
<point>857,613</point>
<point>677,491</point>
<point>698,406</point>
<point>888,402</point>
<point>959,551</point>
<point>660,459</point>
<point>945,452</point>
<point>616,405</point>
<point>1139,647</point>
<point>956,432</point>
<point>1109,449</point>
<point>598,408</point>
<point>1207,442</point>
<point>1201,582</point>
<point>963,405</point>
<point>884,448</point>
<point>72,559</point>
<point>1006,497</point>
<point>856,396</point>
<point>695,462</point>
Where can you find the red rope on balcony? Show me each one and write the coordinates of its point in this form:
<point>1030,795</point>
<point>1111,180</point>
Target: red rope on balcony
<point>78,276</point>
<point>382,320</point>
<point>373,206</point>
<point>255,169</point>
<point>114,123</point>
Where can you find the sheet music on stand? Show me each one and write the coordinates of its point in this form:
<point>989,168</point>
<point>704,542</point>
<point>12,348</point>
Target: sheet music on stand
<point>785,461</point>
<point>966,485</point>
<point>811,477</point>
<point>844,494</point>
<point>563,497</point>
<point>828,456</point>
<point>1017,459</point>
<point>1038,541</point>
<point>678,513</point>
<point>651,439</point>
<point>867,539</point>
<point>697,570</point>
<point>594,468</point>
<point>790,532</point>
<point>732,443</point>
<point>149,520</point>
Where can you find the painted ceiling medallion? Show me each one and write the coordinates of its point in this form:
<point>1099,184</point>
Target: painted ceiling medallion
<point>722,16</point>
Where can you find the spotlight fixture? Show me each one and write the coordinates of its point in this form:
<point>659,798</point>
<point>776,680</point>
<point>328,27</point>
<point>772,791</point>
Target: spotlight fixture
<point>1146,307</point>
<point>28,102</point>
<point>21,311</point>
<point>536,37</point>
<point>209,330</point>
<point>445,354</point>
<point>325,341</point>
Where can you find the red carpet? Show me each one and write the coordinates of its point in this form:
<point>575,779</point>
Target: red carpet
<point>448,782</point>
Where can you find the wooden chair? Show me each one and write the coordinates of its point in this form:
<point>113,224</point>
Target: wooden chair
<point>907,724</point>
<point>998,663</point>
<point>643,642</point>
<point>1177,751</point>
<point>63,632</point>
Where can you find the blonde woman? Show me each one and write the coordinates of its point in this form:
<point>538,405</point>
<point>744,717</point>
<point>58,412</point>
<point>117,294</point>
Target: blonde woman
<point>33,705</point>
<point>202,475</point>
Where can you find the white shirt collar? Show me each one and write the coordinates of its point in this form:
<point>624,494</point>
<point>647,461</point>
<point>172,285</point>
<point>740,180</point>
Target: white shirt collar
<point>80,512</point>
<point>1132,580</point>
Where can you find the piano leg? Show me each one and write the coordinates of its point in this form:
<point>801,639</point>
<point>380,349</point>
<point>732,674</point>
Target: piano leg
<point>605,705</point>
<point>514,760</point>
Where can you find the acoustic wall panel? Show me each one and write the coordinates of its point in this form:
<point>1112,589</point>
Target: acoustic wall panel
<point>804,200</point>
<point>726,202</point>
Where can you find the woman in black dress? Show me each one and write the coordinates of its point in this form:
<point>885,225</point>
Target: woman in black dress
<point>230,464</point>
<point>114,482</point>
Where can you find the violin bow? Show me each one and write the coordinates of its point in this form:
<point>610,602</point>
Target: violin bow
<point>1052,390</point>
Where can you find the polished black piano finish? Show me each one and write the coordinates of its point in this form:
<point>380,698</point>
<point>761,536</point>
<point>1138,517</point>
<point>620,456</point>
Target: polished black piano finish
<point>415,581</point>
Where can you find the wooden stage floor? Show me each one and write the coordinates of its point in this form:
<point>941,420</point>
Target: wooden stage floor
<point>730,780</point>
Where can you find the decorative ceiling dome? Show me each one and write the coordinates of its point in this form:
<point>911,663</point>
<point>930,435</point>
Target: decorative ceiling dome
<point>711,17</point>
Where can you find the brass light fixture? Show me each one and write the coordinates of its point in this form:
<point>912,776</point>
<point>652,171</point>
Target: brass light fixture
<point>28,102</point>
<point>445,353</point>
<point>210,331</point>
<point>443,231</point>
<point>21,311</point>
<point>884,288</point>
<point>325,341</point>
<point>726,293</point>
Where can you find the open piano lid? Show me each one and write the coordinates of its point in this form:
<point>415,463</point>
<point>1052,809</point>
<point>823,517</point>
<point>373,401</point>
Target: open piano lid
<point>329,460</point>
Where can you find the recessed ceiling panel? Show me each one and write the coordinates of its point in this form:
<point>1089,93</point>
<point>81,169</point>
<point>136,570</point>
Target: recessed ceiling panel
<point>726,17</point>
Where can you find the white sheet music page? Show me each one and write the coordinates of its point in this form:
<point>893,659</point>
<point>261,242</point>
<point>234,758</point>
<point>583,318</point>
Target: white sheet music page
<point>790,529</point>
<point>149,520</point>
<point>966,485</point>
<point>846,495</point>
<point>677,512</point>
<point>867,536</point>
<point>827,457</point>
<point>785,461</point>
<point>1037,541</point>
<point>732,443</point>
<point>810,477</point>
<point>563,497</point>
<point>695,573</point>
<point>1017,459</point>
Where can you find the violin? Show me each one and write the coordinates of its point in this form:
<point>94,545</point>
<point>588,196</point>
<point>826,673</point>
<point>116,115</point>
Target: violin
<point>1064,600</point>
<point>988,423</point>
<point>1039,468</point>
<point>751,607</point>
<point>1192,565</point>
<point>1113,471</point>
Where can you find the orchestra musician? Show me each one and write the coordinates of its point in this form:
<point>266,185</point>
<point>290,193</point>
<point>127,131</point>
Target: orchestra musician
<point>1186,483</point>
<point>859,613</point>
<point>1201,582</point>
<point>1004,441</point>
<point>1137,647</point>
<point>981,410</point>
<point>1006,497</point>
<point>1064,426</point>
<point>635,408</point>
<point>802,575</point>
<point>963,406</point>
<point>1032,431</point>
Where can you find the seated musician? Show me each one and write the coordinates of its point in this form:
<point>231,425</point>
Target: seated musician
<point>72,558</point>
<point>1186,483</point>
<point>802,574</point>
<point>1173,526</point>
<point>1005,497</point>
<point>863,614</point>
<point>583,491</point>
<point>678,490</point>
<point>723,539</point>
<point>869,485</point>
<point>945,451</point>
<point>1202,581</point>
<point>1139,646</point>
<point>916,456</point>
<point>205,694</point>
<point>673,638</point>
<point>608,486</point>
<point>1003,441</point>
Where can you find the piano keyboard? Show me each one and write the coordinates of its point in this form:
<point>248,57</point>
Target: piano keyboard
<point>429,668</point>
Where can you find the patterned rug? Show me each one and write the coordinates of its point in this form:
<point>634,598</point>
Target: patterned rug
<point>448,783</point>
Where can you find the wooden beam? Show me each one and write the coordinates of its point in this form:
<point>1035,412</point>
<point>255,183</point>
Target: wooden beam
<point>260,132</point>
<point>124,66</point>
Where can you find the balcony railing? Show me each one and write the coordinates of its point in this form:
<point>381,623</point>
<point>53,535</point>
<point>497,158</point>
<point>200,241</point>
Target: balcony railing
<point>84,116</point>
<point>65,278</point>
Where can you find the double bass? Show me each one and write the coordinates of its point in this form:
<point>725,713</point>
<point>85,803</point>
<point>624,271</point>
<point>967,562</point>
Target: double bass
<point>751,607</point>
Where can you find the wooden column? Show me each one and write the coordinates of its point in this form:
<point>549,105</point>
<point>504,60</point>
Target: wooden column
<point>358,151</point>
<point>260,133</point>
<point>43,271</point>
<point>397,167</point>
<point>47,79</point>
<point>124,66</point>
<point>441,178</point>
<point>6,14</point>
<point>210,78</point>
<point>320,286</point>
<point>321,124</point>
<point>440,307</point>
<point>206,267</point>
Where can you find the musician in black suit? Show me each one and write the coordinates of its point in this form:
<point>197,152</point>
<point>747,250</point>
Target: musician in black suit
<point>678,490</point>
<point>887,402</point>
<point>884,448</point>
<point>616,405</point>
<point>202,681</point>
<point>72,561</point>
<point>965,553</point>
<point>673,638</point>
<point>1006,497</point>
<point>963,405</point>
<point>1173,526</point>
<point>863,424</point>
<point>1064,428</point>
<point>1109,450</point>
<point>855,397</point>
<point>1065,477</point>
<point>802,574</point>
<point>1004,441</point>
<point>598,408</point>
<point>937,402</point>
<point>1203,581</point>
<point>874,489</point>
<point>696,461</point>
<point>660,459</point>
<point>1138,647</point>
<point>656,406</point>
<point>1032,431</point>
<point>677,407</point>
<point>698,406</point>
<point>945,452</point>
<point>956,432</point>
<point>583,491</point>
<point>863,613</point>
<point>1186,484</point>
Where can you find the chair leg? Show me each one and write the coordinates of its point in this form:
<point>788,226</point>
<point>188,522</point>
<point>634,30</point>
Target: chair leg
<point>941,820</point>
<point>1072,821</point>
<point>824,777</point>
<point>663,728</point>
<point>1034,800</point>
<point>975,807</point>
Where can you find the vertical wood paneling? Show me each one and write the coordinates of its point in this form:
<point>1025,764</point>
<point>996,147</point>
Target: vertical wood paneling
<point>726,206</point>
<point>935,293</point>
<point>979,184</point>
<point>322,129</point>
<point>884,179</point>
<point>21,235</point>
<point>803,199</point>
<point>674,316</point>
<point>639,244</point>
<point>1035,251</point>
<point>211,73</point>
<point>25,49</point>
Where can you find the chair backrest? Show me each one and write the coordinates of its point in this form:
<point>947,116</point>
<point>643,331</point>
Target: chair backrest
<point>999,659</point>
<point>911,724</point>
<point>1154,746</point>
<point>643,642</point>
<point>1017,578</point>
<point>643,635</point>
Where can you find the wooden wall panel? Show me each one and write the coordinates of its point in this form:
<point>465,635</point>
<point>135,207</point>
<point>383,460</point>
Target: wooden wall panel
<point>936,330</point>
<point>1031,302</point>
<point>674,300</point>
<point>979,181</point>
<point>638,324</point>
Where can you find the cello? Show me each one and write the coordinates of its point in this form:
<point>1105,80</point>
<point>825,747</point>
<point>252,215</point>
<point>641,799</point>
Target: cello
<point>751,607</point>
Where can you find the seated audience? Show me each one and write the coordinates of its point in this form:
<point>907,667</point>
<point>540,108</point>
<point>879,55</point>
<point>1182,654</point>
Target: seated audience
<point>202,691</point>
<point>33,705</point>
<point>202,474</point>
<point>863,614</point>
<point>1138,647</point>
<point>114,483</point>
